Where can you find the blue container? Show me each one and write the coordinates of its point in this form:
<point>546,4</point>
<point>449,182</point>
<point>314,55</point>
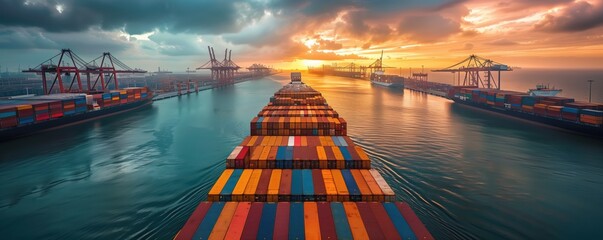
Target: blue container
<point>296,221</point>
<point>342,227</point>
<point>591,112</point>
<point>207,225</point>
<point>308,186</point>
<point>281,156</point>
<point>266,228</point>
<point>106,96</point>
<point>114,94</point>
<point>296,186</point>
<point>347,157</point>
<point>528,100</point>
<point>398,220</point>
<point>570,110</point>
<point>8,114</point>
<point>258,124</point>
<point>26,120</point>
<point>342,141</point>
<point>314,132</point>
<point>351,184</point>
<point>226,193</point>
<point>81,109</point>
<point>289,157</point>
<point>80,101</point>
<point>336,140</point>
<point>70,112</point>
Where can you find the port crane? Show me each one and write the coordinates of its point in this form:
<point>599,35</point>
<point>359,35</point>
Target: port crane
<point>472,67</point>
<point>221,72</point>
<point>258,69</point>
<point>67,68</point>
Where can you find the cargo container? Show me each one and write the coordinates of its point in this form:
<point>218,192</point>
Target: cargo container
<point>556,111</point>
<point>283,182</point>
<point>34,114</point>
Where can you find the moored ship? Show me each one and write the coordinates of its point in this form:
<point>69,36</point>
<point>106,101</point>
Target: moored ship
<point>542,90</point>
<point>22,116</point>
<point>382,79</point>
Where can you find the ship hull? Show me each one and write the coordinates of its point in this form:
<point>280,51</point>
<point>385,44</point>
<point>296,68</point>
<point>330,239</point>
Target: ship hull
<point>578,127</point>
<point>31,129</point>
<point>547,93</point>
<point>390,85</point>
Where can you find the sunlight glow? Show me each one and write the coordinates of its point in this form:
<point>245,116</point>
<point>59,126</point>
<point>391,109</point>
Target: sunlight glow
<point>312,63</point>
<point>59,8</point>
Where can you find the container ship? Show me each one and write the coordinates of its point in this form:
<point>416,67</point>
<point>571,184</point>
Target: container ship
<point>27,115</point>
<point>299,176</point>
<point>392,81</point>
<point>566,113</point>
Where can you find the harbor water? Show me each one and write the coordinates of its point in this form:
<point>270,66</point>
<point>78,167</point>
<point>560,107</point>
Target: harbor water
<point>465,172</point>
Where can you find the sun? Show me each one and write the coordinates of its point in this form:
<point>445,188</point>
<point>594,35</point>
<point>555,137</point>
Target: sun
<point>312,63</point>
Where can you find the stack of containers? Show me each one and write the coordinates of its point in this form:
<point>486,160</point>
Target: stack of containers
<point>527,103</point>
<point>300,186</point>
<point>25,114</point>
<point>41,112</point>
<point>8,116</point>
<point>590,116</point>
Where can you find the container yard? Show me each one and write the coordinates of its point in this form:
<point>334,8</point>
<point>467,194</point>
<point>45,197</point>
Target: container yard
<point>299,176</point>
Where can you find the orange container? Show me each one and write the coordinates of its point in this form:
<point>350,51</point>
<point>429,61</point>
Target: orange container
<point>223,222</point>
<point>214,192</point>
<point>311,223</point>
<point>355,221</point>
<point>273,186</point>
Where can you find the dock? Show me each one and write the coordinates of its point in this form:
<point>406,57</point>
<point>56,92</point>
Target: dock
<point>299,176</point>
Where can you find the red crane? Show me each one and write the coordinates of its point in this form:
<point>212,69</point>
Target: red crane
<point>69,66</point>
<point>222,72</point>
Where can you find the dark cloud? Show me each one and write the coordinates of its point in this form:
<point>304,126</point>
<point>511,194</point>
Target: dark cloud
<point>86,43</point>
<point>134,16</point>
<point>428,28</point>
<point>578,16</point>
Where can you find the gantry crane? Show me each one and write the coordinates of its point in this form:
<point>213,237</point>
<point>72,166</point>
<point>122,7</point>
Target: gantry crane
<point>473,66</point>
<point>67,63</point>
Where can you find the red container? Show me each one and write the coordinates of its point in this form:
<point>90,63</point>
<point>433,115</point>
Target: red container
<point>320,192</point>
<point>413,221</point>
<point>262,190</point>
<point>281,227</point>
<point>193,222</point>
<point>385,223</point>
<point>253,221</point>
<point>569,116</point>
<point>369,220</point>
<point>8,122</point>
<point>284,191</point>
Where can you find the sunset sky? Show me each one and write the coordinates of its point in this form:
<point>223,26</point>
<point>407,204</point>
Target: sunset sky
<point>174,34</point>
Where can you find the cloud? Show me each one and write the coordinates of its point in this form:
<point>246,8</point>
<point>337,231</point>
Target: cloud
<point>579,16</point>
<point>134,16</point>
<point>502,42</point>
<point>428,28</point>
<point>466,47</point>
<point>328,45</point>
<point>315,55</point>
<point>92,42</point>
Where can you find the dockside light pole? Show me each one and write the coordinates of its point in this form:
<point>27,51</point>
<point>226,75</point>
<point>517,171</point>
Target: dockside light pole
<point>590,87</point>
